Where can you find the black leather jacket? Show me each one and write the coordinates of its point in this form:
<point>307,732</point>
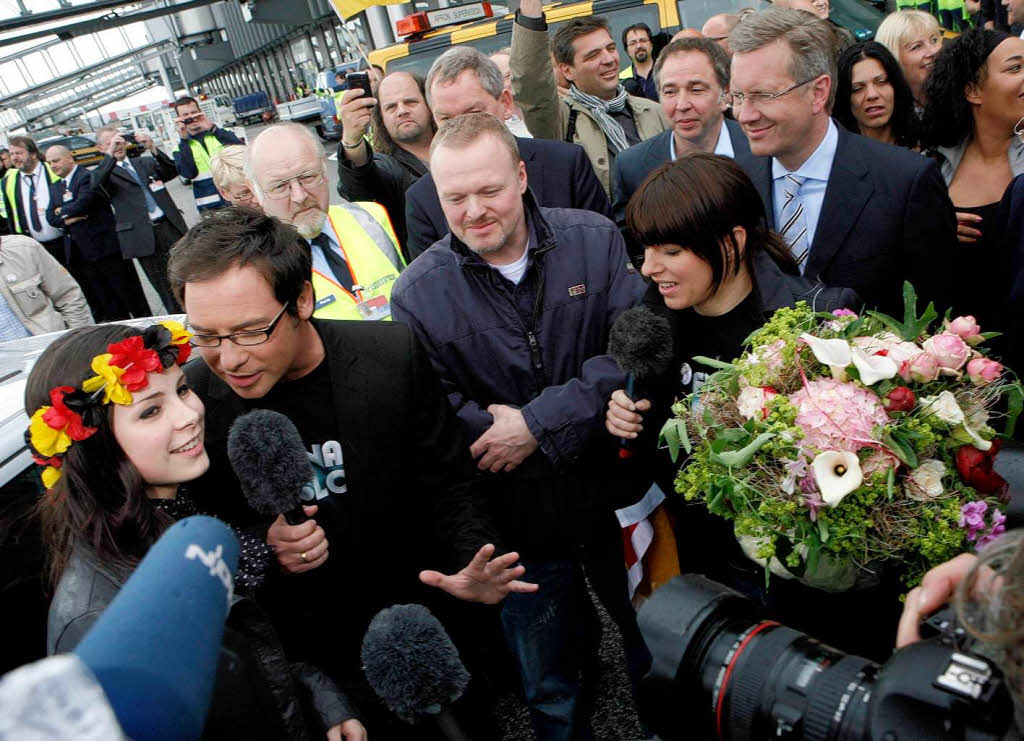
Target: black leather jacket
<point>258,692</point>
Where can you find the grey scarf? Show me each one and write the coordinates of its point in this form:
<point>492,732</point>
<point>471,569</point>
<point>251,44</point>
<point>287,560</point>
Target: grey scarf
<point>600,110</point>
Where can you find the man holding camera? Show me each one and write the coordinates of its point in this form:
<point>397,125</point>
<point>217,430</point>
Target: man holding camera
<point>200,140</point>
<point>403,130</point>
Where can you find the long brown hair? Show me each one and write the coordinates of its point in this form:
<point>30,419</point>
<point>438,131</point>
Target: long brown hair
<point>100,500</point>
<point>696,202</point>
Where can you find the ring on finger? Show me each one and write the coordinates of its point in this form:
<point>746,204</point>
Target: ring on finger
<point>304,557</point>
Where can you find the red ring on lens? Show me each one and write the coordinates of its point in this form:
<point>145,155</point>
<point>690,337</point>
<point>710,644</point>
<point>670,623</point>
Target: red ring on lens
<point>728,671</point>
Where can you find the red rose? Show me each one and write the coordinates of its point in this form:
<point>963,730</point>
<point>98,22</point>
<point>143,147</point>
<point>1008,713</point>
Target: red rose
<point>900,399</point>
<point>975,468</point>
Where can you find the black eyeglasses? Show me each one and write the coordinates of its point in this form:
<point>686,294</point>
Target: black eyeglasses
<point>736,100</point>
<point>248,338</point>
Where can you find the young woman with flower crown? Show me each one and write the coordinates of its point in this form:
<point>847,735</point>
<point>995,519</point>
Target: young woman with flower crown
<point>119,432</point>
<point>717,274</point>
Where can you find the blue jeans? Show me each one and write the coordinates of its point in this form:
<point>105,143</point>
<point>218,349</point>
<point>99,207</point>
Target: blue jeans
<point>552,632</point>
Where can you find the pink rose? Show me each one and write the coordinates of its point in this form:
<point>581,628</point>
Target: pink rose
<point>949,349</point>
<point>966,328</point>
<point>844,312</point>
<point>984,371</point>
<point>921,368</point>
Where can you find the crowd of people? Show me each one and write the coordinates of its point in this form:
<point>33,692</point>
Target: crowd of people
<point>497,215</point>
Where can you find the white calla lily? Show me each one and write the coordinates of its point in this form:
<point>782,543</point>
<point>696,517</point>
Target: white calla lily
<point>873,368</point>
<point>833,353</point>
<point>837,474</point>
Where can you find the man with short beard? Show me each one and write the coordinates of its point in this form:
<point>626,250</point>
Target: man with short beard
<point>402,132</point>
<point>637,78</point>
<point>514,307</point>
<point>355,251</point>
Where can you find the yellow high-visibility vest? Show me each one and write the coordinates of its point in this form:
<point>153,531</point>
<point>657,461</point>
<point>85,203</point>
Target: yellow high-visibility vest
<point>10,188</point>
<point>370,247</point>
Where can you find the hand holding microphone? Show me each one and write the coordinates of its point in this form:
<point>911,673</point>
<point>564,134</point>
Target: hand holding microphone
<point>270,460</point>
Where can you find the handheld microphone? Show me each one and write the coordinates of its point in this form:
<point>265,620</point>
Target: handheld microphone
<point>270,460</point>
<point>641,343</point>
<point>413,666</point>
<point>155,648</point>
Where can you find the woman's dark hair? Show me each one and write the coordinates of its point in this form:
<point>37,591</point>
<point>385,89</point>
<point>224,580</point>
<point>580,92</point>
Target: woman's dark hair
<point>100,500</point>
<point>236,236</point>
<point>948,119</point>
<point>903,122</point>
<point>382,141</point>
<point>696,202</point>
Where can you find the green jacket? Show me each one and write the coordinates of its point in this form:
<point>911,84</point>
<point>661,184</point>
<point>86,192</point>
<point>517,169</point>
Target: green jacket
<point>547,117</point>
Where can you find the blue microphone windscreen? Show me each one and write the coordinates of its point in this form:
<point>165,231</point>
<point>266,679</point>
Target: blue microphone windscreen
<point>155,648</point>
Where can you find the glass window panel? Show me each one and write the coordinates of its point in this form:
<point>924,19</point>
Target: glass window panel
<point>87,50</point>
<point>113,41</point>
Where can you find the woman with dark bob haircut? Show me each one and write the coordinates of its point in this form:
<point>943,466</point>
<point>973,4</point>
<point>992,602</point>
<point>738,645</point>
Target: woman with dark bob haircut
<point>970,124</point>
<point>873,98</point>
<point>119,435</point>
<point>716,272</point>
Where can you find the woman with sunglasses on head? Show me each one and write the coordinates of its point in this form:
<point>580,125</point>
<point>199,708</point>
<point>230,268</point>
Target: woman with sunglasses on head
<point>872,96</point>
<point>120,434</point>
<point>975,105</point>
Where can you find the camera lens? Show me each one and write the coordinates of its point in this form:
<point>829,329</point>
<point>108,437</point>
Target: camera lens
<point>733,676</point>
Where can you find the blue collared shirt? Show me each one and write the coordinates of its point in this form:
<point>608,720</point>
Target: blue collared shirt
<point>815,170</point>
<point>723,147</point>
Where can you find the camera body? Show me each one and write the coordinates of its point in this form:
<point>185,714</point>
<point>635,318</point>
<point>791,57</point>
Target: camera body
<point>719,671</point>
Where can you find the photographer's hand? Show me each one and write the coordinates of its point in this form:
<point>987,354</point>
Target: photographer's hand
<point>937,588</point>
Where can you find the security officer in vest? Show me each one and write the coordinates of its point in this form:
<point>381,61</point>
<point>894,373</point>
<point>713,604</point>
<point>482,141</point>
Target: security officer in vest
<point>26,195</point>
<point>355,252</point>
<point>200,140</point>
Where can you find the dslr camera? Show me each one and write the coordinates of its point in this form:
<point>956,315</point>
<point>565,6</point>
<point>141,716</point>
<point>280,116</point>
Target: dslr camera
<point>721,672</point>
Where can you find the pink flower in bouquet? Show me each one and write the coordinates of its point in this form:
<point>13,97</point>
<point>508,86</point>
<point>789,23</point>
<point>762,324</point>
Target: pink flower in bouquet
<point>983,371</point>
<point>998,528</point>
<point>972,518</point>
<point>837,416</point>
<point>771,355</point>
<point>949,349</point>
<point>922,368</point>
<point>844,312</point>
<point>966,328</point>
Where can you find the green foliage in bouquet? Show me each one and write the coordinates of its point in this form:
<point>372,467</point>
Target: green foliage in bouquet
<point>839,444</point>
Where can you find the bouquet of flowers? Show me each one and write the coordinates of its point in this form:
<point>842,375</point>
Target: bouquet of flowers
<point>838,444</point>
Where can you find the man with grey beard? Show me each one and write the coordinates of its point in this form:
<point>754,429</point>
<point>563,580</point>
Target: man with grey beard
<point>355,251</point>
<point>402,128</point>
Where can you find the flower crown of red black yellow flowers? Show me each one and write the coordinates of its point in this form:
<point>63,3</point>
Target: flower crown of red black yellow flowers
<point>76,414</point>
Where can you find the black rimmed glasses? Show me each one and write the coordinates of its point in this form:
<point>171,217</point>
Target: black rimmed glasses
<point>247,338</point>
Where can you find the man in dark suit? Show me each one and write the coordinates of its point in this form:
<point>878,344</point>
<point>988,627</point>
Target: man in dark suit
<point>389,458</point>
<point>109,282</point>
<point>148,220</point>
<point>692,75</point>
<point>856,213</point>
<point>463,80</point>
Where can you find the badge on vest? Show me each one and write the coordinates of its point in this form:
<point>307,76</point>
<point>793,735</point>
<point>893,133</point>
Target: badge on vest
<point>156,185</point>
<point>375,308</point>
<point>325,301</point>
<point>577,290</point>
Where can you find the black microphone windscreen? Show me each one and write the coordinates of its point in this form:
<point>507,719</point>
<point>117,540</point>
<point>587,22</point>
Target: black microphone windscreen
<point>270,460</point>
<point>411,662</point>
<point>641,343</point>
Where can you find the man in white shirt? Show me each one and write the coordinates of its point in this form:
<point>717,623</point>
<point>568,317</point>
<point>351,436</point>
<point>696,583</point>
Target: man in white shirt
<point>856,213</point>
<point>692,75</point>
<point>26,195</point>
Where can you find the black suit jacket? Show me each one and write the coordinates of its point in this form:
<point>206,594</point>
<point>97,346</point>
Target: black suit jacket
<point>633,165</point>
<point>92,239</point>
<point>409,476</point>
<point>134,229</point>
<point>886,218</point>
<point>559,174</point>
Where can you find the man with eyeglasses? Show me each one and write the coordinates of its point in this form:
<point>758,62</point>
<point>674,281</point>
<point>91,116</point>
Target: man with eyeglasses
<point>637,78</point>
<point>392,477</point>
<point>855,213</point>
<point>356,258</point>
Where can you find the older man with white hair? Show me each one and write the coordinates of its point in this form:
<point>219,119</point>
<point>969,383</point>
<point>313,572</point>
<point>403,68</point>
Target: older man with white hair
<point>355,252</point>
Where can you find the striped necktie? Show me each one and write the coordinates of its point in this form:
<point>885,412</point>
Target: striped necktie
<point>792,226</point>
